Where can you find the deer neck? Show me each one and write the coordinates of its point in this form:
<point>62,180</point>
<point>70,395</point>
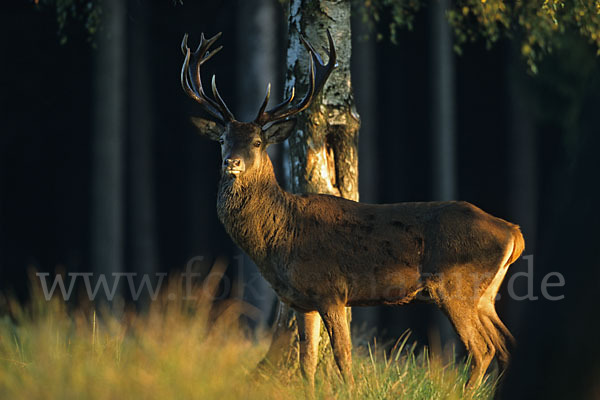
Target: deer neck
<point>255,211</point>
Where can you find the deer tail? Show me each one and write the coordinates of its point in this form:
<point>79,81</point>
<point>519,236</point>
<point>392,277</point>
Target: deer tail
<point>519,244</point>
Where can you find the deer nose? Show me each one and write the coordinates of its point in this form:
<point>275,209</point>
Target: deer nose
<point>232,162</point>
<point>233,166</point>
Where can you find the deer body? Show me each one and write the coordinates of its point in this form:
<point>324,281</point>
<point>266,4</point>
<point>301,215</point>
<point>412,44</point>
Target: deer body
<point>322,253</point>
<point>313,246</point>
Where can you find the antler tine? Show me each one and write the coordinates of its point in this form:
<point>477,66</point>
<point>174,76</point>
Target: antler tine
<point>305,102</point>
<point>192,83</point>
<point>264,117</point>
<point>188,88</point>
<point>197,82</point>
<point>204,45</point>
<point>262,108</point>
<point>318,74</point>
<point>279,112</point>
<point>323,71</point>
<point>184,46</point>
<point>224,109</point>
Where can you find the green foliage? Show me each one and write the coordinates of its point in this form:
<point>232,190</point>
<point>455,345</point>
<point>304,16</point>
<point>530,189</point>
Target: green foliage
<point>402,14</point>
<point>537,24</point>
<point>568,82</point>
<point>85,13</point>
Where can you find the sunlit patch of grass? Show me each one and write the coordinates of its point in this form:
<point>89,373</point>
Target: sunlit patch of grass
<point>405,373</point>
<point>189,350</point>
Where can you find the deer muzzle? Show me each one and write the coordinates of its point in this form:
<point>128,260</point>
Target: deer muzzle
<point>233,166</point>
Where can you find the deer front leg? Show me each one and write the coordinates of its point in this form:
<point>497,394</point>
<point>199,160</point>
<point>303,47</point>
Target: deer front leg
<point>309,325</point>
<point>334,318</point>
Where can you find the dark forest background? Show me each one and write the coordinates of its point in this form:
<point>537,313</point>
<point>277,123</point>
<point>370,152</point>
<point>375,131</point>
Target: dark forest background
<point>524,148</point>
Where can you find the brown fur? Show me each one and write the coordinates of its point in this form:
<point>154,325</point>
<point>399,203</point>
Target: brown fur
<point>322,253</point>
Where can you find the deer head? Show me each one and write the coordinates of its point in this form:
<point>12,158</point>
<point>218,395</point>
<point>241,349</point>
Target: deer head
<point>244,144</point>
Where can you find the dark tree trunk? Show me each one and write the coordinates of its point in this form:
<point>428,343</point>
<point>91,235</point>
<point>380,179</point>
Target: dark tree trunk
<point>443,117</point>
<point>257,66</point>
<point>364,67</point>
<point>522,169</point>
<point>142,232</point>
<point>442,103</point>
<point>558,356</point>
<point>324,149</point>
<point>107,143</point>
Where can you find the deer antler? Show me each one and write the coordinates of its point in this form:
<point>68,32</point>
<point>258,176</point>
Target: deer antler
<point>317,78</point>
<point>192,84</point>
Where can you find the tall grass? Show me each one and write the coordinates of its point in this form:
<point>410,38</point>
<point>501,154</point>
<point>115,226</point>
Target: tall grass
<point>190,350</point>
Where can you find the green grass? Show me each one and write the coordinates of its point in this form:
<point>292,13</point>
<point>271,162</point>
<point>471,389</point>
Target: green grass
<point>184,350</point>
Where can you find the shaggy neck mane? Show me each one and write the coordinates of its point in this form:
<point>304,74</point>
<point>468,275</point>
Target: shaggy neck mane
<point>256,211</point>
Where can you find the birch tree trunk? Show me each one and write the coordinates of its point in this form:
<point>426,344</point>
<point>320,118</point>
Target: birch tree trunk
<point>324,149</point>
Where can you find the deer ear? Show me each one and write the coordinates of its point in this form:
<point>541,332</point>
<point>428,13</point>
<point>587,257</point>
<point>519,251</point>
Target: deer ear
<point>279,131</point>
<point>207,128</point>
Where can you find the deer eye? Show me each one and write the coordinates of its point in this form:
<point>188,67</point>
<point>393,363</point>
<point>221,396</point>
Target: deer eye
<point>221,141</point>
<point>257,143</point>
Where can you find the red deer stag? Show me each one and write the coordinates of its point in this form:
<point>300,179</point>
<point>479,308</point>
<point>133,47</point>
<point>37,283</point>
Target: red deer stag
<point>322,253</point>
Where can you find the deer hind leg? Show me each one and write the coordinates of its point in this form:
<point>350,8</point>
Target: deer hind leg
<point>334,318</point>
<point>472,334</point>
<point>494,339</point>
<point>459,302</point>
<point>497,332</point>
<point>309,325</point>
<point>490,312</point>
